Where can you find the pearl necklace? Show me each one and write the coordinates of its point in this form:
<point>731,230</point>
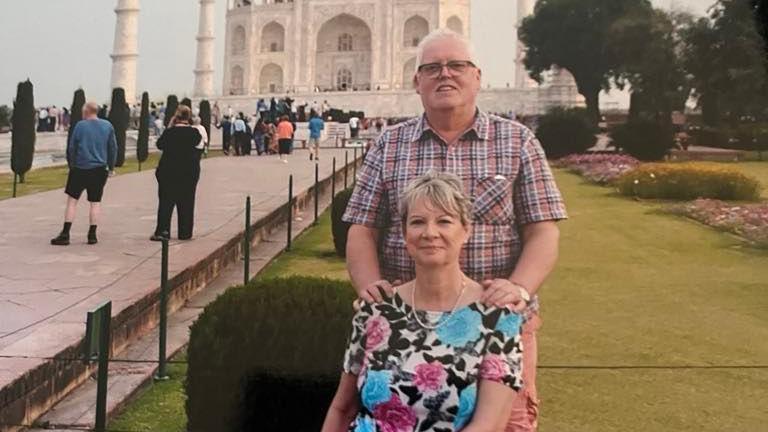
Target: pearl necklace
<point>450,315</point>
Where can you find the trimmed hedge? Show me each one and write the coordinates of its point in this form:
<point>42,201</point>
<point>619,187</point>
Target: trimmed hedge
<point>339,228</point>
<point>688,181</point>
<point>267,356</point>
<point>646,140</point>
<point>565,131</point>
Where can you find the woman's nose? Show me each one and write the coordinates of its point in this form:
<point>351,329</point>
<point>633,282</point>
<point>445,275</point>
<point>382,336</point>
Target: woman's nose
<point>430,230</point>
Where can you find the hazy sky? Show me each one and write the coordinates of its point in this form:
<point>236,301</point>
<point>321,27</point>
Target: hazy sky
<point>63,44</point>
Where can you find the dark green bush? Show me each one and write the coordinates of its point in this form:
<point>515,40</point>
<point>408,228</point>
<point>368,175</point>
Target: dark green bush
<point>268,356</point>
<point>646,140</point>
<point>23,136</point>
<point>142,143</point>
<point>171,104</point>
<point>119,116</point>
<point>339,228</point>
<point>565,131</point>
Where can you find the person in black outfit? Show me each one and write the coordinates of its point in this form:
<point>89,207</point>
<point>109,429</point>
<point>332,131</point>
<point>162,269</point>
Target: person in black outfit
<point>226,133</point>
<point>177,175</point>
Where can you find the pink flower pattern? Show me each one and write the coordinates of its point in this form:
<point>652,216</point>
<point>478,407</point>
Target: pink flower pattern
<point>429,376</point>
<point>494,368</point>
<point>394,416</point>
<point>377,331</point>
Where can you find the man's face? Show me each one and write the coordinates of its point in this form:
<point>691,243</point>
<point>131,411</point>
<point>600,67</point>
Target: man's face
<point>449,89</point>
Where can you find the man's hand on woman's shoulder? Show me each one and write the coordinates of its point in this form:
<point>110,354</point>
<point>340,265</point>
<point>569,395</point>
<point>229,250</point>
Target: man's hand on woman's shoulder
<point>376,291</point>
<point>503,293</point>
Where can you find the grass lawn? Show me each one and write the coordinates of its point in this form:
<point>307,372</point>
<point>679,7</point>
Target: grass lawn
<point>759,170</point>
<point>633,288</point>
<point>49,178</point>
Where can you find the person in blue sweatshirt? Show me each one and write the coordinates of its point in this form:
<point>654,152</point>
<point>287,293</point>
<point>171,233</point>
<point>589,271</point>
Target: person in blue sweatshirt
<point>91,155</point>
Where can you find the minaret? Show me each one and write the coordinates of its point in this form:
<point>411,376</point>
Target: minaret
<point>126,50</point>
<point>205,38</point>
<point>524,9</point>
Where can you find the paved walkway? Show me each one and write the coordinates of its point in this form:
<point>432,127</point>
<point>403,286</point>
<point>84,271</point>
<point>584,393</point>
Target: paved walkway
<point>45,291</point>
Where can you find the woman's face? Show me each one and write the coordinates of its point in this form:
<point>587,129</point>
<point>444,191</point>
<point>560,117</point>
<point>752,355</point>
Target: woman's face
<point>433,236</point>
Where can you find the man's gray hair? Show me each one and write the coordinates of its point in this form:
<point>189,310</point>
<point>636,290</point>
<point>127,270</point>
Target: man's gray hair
<point>441,189</point>
<point>444,33</point>
<point>92,107</point>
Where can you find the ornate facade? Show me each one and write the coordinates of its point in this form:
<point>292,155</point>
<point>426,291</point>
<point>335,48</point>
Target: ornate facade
<point>328,45</point>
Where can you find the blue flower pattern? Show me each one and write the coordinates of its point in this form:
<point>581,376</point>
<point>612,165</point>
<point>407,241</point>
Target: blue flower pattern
<point>510,325</point>
<point>376,388</point>
<point>365,424</point>
<point>467,399</point>
<point>461,328</point>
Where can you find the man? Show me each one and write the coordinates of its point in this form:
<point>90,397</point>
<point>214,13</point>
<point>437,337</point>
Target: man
<point>514,241</point>
<point>354,126</point>
<point>226,134</point>
<point>316,126</point>
<point>91,154</point>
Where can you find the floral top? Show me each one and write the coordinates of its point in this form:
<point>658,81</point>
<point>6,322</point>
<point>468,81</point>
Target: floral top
<point>416,379</point>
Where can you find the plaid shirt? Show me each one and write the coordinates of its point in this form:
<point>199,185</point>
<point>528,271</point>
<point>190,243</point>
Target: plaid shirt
<point>504,170</point>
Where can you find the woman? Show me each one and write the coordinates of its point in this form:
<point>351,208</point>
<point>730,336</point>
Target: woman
<point>258,136</point>
<point>177,175</point>
<point>284,138</point>
<point>431,357</point>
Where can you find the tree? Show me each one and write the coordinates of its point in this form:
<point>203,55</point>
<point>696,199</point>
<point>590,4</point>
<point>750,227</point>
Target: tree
<point>760,8</point>
<point>205,117</point>
<point>119,116</point>
<point>142,143</point>
<point>23,135</point>
<point>576,35</point>
<point>170,108</point>
<point>187,102</point>
<point>5,116</point>
<point>75,113</point>
<point>725,57</point>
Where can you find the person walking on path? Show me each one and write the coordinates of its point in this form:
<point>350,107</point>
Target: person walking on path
<point>226,134</point>
<point>316,126</point>
<point>513,245</point>
<point>259,131</point>
<point>177,175</point>
<point>284,140</point>
<point>91,155</point>
<point>240,135</point>
<point>354,126</point>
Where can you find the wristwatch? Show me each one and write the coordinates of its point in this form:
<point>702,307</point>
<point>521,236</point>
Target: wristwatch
<point>524,294</point>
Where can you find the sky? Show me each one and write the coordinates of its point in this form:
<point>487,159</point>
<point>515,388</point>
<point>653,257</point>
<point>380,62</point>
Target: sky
<point>65,44</point>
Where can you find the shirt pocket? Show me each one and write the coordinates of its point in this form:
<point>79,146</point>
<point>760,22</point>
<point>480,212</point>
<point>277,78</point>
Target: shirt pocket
<point>493,202</point>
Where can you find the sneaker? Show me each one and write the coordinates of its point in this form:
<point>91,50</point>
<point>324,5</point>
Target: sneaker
<point>60,240</point>
<point>159,237</point>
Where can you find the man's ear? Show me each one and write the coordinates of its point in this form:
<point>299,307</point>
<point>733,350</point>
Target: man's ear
<point>416,83</point>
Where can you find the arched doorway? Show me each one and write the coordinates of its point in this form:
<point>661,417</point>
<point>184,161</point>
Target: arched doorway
<point>409,70</point>
<point>343,50</point>
<point>271,79</point>
<point>454,24</point>
<point>273,38</point>
<point>238,40</point>
<point>236,81</point>
<point>414,31</point>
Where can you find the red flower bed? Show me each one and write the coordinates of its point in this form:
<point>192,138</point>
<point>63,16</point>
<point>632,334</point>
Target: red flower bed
<point>747,220</point>
<point>602,169</point>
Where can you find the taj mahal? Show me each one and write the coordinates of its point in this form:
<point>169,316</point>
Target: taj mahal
<point>355,54</point>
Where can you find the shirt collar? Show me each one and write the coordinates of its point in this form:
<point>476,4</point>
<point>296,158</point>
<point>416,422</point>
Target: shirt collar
<point>478,130</point>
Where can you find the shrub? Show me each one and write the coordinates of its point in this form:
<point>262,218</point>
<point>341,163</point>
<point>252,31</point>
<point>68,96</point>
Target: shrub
<point>142,143</point>
<point>5,116</point>
<point>565,131</point>
<point>170,109</point>
<point>339,228</point>
<point>23,136</point>
<point>119,116</point>
<point>644,139</point>
<point>260,351</point>
<point>75,112</point>
<point>688,181</point>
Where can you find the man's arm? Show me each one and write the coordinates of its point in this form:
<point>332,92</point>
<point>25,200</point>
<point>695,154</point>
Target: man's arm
<point>112,150</point>
<point>363,264</point>
<point>536,262</point>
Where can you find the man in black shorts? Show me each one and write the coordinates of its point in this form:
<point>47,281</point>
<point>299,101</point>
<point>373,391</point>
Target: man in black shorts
<point>91,154</point>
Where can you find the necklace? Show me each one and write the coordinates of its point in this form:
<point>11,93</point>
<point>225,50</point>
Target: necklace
<point>450,315</point>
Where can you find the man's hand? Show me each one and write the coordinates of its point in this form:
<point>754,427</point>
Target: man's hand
<point>374,292</point>
<point>503,293</point>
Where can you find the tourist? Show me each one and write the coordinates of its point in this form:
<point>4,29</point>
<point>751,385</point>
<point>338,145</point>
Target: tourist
<point>177,175</point>
<point>514,240</point>
<point>216,113</point>
<point>42,119</point>
<point>284,134</point>
<point>354,126</point>
<point>316,126</point>
<point>241,137</point>
<point>65,119</point>
<point>196,123</point>
<point>326,108</point>
<point>433,340</point>
<point>226,134</point>
<point>258,136</point>
<point>91,155</point>
<point>53,118</point>
<point>270,138</point>
<point>379,125</point>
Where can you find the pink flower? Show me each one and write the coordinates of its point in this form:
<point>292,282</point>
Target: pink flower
<point>377,331</point>
<point>494,368</point>
<point>429,376</point>
<point>394,416</point>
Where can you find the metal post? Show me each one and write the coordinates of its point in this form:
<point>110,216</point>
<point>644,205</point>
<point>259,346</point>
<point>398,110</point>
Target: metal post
<point>161,369</point>
<point>354,169</point>
<point>317,191</point>
<point>346,168</point>
<point>333,182</point>
<point>105,322</point>
<point>15,179</point>
<point>290,211</point>
<point>247,243</point>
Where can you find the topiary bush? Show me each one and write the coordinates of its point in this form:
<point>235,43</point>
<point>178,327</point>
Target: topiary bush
<point>688,181</point>
<point>644,139</point>
<point>267,356</point>
<point>339,228</point>
<point>565,131</point>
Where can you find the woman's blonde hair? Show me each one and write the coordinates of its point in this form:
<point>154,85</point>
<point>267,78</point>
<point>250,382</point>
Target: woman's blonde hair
<point>183,115</point>
<point>441,189</point>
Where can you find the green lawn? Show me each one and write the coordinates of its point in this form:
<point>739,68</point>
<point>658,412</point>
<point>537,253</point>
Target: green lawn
<point>50,178</point>
<point>633,287</point>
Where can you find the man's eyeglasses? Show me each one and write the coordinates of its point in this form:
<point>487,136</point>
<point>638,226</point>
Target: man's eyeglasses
<point>455,67</point>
